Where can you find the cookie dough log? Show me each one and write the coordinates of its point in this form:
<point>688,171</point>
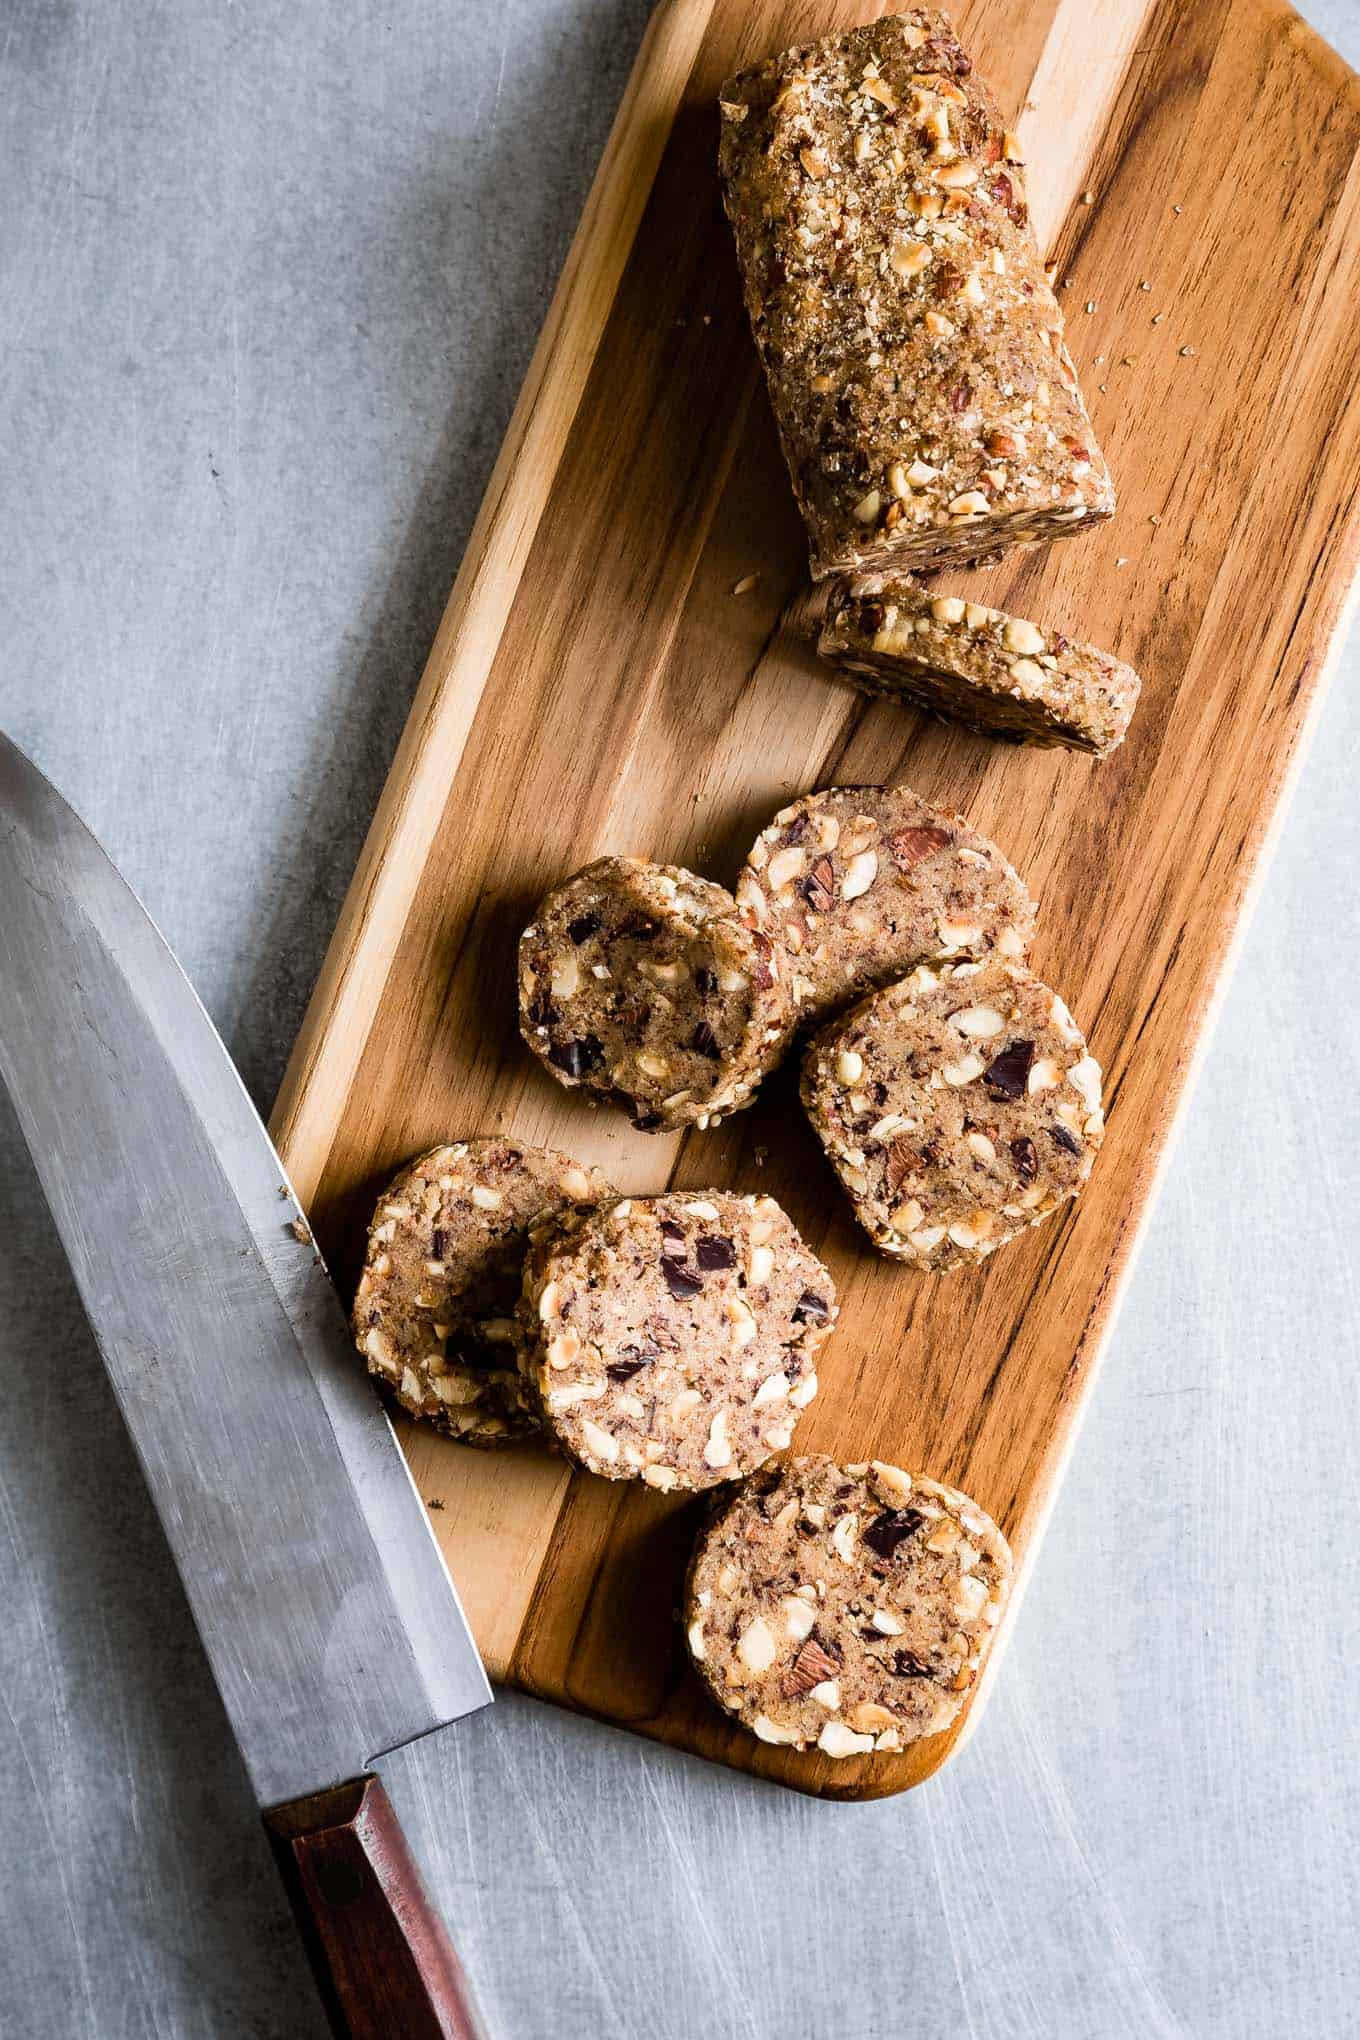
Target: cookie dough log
<point>435,1312</point>
<point>926,402</point>
<point>858,883</point>
<point>957,1107</point>
<point>1000,674</point>
<point>673,1339</point>
<point>641,982</point>
<point>846,1608</point>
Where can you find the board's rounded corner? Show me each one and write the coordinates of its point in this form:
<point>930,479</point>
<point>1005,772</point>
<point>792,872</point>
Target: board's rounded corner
<point>1339,75</point>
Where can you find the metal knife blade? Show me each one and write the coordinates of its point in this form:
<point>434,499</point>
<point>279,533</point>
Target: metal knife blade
<point>329,1617</point>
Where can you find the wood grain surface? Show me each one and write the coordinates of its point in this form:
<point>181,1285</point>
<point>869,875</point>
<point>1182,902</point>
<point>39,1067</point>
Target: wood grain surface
<point>597,686</point>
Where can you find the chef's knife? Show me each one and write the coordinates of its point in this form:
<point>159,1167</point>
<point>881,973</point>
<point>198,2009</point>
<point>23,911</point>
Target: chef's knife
<point>330,1621</point>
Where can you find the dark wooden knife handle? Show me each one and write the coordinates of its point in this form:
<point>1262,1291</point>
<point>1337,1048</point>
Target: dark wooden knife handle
<point>383,1961</point>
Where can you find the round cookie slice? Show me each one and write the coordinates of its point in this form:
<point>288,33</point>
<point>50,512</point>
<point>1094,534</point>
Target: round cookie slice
<point>844,1608</point>
<point>641,982</point>
<point>958,1107</point>
<point>672,1339</point>
<point>435,1312</point>
<point>861,882</point>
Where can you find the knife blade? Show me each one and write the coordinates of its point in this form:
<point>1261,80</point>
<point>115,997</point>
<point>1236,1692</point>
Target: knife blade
<point>328,1615</point>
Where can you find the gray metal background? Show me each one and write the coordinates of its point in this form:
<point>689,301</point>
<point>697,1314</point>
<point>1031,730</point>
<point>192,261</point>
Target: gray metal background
<point>269,276</point>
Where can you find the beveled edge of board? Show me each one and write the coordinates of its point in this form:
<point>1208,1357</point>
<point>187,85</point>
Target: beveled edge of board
<point>355,970</point>
<point>341,1009</point>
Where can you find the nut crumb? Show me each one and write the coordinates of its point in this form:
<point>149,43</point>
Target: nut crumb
<point>745,584</point>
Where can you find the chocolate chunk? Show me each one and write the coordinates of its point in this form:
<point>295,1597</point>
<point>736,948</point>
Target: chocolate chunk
<point>583,927</point>
<point>812,1307</point>
<point>633,1360</point>
<point>1026,1158</point>
<point>574,1058</point>
<point>892,1528</point>
<point>906,1665</point>
<point>680,1282</point>
<point>809,1668</point>
<point>705,981</point>
<point>704,1041</point>
<point>541,1010</point>
<point>1008,1074</point>
<point>713,1252</point>
<point>909,846</point>
<point>1063,1137</point>
<point>647,1122</point>
<point>673,1239</point>
<point>439,1243</point>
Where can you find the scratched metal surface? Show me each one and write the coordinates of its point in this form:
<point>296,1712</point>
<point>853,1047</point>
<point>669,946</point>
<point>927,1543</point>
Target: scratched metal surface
<point>269,275</point>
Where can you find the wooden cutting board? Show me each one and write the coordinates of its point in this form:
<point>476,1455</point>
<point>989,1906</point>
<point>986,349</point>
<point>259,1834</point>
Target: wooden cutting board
<point>598,685</point>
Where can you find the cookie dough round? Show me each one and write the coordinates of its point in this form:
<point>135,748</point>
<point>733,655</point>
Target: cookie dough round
<point>641,982</point>
<point>672,1339</point>
<point>958,1107</point>
<point>861,882</point>
<point>844,1608</point>
<point>435,1312</point>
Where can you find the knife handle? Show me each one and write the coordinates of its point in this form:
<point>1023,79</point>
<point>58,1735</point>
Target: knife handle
<point>382,1959</point>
